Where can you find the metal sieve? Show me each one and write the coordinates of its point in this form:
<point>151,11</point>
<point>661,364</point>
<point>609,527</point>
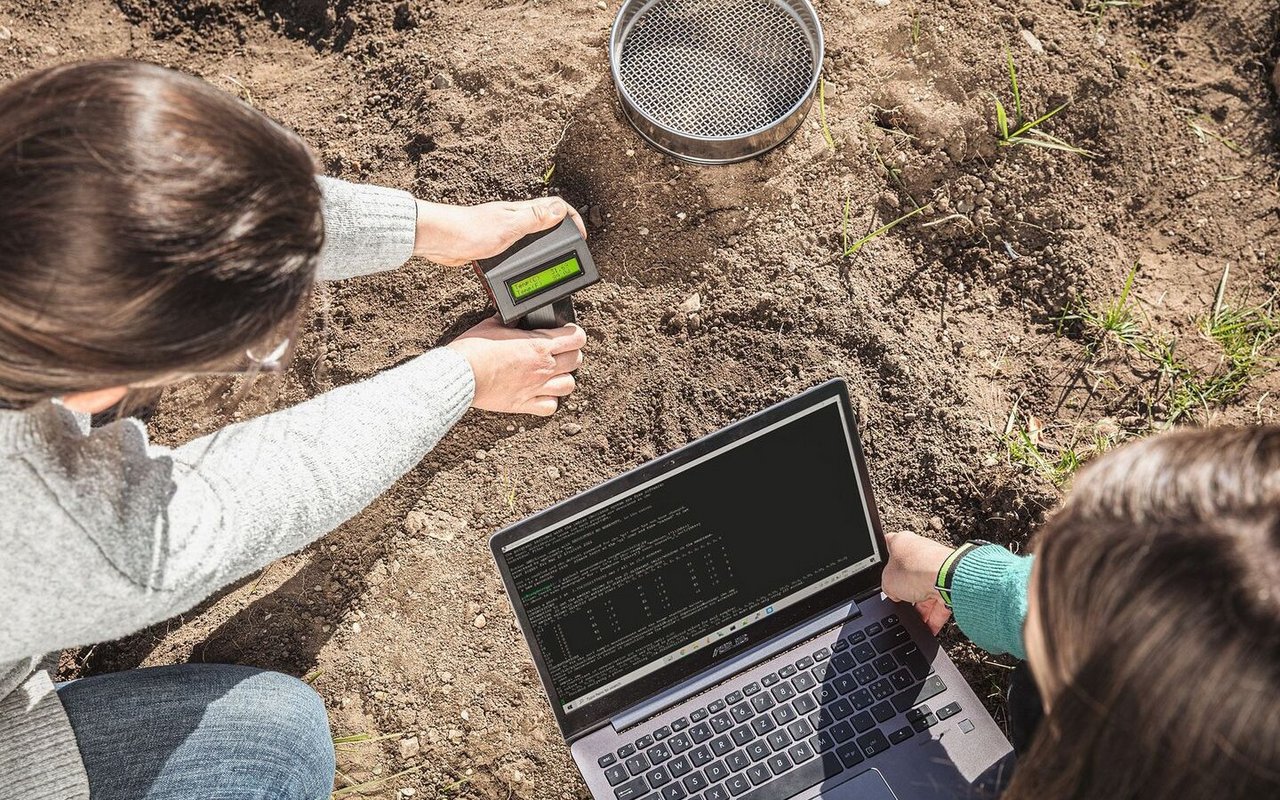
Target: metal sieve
<point>716,81</point>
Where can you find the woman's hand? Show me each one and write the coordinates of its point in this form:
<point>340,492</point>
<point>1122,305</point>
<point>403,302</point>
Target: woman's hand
<point>518,371</point>
<point>456,235</point>
<point>909,576</point>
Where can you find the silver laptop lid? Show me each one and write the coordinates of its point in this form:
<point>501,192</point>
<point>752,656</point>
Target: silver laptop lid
<point>647,580</point>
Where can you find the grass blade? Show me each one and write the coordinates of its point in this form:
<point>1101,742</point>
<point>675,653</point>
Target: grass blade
<point>1013,82</point>
<point>851,249</point>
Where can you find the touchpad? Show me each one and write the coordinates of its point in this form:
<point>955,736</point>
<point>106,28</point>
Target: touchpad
<point>869,785</point>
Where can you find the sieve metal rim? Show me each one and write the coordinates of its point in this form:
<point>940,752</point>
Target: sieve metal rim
<point>617,36</point>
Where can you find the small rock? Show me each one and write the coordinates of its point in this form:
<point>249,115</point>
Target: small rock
<point>595,216</point>
<point>682,216</point>
<point>481,455</point>
<point>445,676</point>
<point>409,748</point>
<point>49,50</point>
<point>355,627</point>
<point>601,5</point>
<point>1032,42</point>
<point>438,525</point>
<point>935,523</point>
<point>479,621</point>
<point>5,34</point>
<point>553,473</point>
<point>571,429</point>
<point>404,17</point>
<point>408,791</point>
<point>630,152</point>
<point>644,231</point>
<point>441,81</point>
<point>692,304</point>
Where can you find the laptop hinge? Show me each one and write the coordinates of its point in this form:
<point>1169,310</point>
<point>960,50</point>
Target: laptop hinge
<point>740,662</point>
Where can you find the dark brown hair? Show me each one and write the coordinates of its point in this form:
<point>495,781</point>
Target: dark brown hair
<point>1157,589</point>
<point>150,225</point>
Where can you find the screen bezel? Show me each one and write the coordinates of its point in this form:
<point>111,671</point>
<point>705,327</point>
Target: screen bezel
<point>586,718</point>
<point>545,265</point>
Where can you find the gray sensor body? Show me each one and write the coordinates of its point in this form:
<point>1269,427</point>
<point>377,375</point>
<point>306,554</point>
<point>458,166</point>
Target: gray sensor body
<point>716,81</point>
<point>533,281</point>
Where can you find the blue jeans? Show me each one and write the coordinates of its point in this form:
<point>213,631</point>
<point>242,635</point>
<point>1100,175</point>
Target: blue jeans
<point>201,732</point>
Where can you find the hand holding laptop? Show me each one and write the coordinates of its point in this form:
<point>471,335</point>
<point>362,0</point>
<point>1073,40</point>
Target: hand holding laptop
<point>911,573</point>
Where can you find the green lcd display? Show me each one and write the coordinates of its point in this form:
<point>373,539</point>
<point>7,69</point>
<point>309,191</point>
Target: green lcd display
<point>545,278</point>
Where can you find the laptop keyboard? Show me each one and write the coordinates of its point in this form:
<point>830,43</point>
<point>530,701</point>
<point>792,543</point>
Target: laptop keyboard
<point>828,711</point>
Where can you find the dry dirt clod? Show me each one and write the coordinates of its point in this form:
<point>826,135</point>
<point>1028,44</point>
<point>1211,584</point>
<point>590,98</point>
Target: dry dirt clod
<point>553,473</point>
<point>692,304</point>
<point>441,81</point>
<point>935,523</point>
<point>1032,42</point>
<point>571,429</point>
<point>5,34</point>
<point>480,621</point>
<point>409,748</point>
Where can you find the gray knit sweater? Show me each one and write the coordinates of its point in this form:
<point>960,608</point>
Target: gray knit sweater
<point>103,533</point>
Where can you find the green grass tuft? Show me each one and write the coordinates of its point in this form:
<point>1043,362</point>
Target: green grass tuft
<point>852,248</point>
<point>1018,130</point>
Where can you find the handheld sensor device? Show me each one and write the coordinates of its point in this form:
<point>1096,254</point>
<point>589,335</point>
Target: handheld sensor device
<point>532,282</point>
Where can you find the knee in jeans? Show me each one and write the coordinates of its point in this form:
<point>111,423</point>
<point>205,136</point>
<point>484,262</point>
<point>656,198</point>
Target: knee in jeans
<point>296,733</point>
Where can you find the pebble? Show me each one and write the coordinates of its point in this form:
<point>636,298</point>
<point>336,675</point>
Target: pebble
<point>5,34</point>
<point>1032,42</point>
<point>355,627</point>
<point>441,81</point>
<point>49,50</point>
<point>692,304</point>
<point>445,676</point>
<point>409,748</point>
<point>480,621</point>
<point>644,231</point>
<point>601,5</point>
<point>481,455</point>
<point>408,791</point>
<point>571,429</point>
<point>935,523</point>
<point>553,473</point>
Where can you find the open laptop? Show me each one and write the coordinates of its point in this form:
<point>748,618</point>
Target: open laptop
<point>710,625</point>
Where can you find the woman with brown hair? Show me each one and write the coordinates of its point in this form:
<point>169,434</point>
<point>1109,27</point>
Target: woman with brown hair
<point>1149,618</point>
<point>153,228</point>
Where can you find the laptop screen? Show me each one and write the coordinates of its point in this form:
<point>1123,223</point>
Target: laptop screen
<point>679,568</point>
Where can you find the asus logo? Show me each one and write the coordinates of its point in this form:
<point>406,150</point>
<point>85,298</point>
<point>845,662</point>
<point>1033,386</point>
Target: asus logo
<point>727,646</point>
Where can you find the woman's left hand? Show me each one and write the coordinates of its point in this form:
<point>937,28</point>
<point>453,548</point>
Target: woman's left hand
<point>457,235</point>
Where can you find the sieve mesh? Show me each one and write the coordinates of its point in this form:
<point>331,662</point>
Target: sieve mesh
<point>716,67</point>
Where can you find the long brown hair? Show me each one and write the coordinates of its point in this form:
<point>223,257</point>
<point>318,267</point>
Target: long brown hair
<point>1157,588</point>
<point>149,225</point>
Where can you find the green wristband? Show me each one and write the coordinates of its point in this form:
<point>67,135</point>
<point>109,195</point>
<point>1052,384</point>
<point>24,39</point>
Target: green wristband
<point>947,572</point>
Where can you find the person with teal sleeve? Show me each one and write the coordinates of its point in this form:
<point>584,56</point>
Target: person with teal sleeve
<point>1147,622</point>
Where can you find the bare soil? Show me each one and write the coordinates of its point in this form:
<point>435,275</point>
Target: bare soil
<point>945,327</point>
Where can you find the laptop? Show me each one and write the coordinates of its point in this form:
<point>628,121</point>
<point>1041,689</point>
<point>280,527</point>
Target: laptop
<point>710,626</point>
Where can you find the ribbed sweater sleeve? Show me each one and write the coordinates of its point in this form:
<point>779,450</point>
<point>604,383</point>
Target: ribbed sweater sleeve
<point>39,759</point>
<point>989,598</point>
<point>366,229</point>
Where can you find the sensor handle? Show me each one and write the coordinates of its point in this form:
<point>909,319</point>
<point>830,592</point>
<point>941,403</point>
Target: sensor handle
<point>553,315</point>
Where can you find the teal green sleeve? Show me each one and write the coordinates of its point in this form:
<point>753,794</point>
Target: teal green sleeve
<point>989,598</point>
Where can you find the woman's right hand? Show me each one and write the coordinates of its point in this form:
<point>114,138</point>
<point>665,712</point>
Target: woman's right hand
<point>519,371</point>
<point>911,574</point>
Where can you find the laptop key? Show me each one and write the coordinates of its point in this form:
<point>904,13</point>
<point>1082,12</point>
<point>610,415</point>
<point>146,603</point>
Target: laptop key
<point>804,704</point>
<point>626,751</point>
<point>616,774</point>
<point>698,715</point>
<point>657,777</point>
<point>769,680</point>
<point>737,760</point>
<point>794,781</point>
<point>863,721</point>
<point>874,629</point>
<point>890,639</point>
<point>844,684</point>
<point>883,712</point>
<point>783,691</point>
<point>674,791</point>
<point>890,621</point>
<point>679,766</point>
<point>762,702</point>
<point>861,699</point>
<point>607,760</point>
<point>911,658</point>
<point>841,708</point>
<point>823,742</point>
<point>799,729</point>
<point>787,671</point>
<point>784,714</point>
<point>779,763</point>
<point>758,750</point>
<point>821,654</point>
<point>821,672</point>
<point>742,712</point>
<point>882,689</point>
<point>902,680</point>
<point>680,724</point>
<point>840,645</point>
<point>916,695</point>
<point>716,771</point>
<point>742,734</point>
<point>658,753</point>
<point>949,710</point>
<point>800,753</point>
<point>873,743</point>
<point>695,783</point>
<point>637,764</point>
<point>758,774</point>
<point>779,740</point>
<point>762,724</point>
<point>804,663</point>
<point>826,693</point>
<point>925,722</point>
<point>699,756</point>
<point>803,682</point>
<point>864,652</point>
<point>751,688</point>
<point>737,784</point>
<point>631,790</point>
<point>716,793</point>
<point>901,735</point>
<point>662,733</point>
<point>849,754</point>
<point>721,745</point>
<point>842,732</point>
<point>700,732</point>
<point>886,664</point>
<point>721,723</point>
<point>843,661</point>
<point>865,674</point>
<point>716,706</point>
<point>679,743</point>
<point>858,636</point>
<point>733,697</point>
